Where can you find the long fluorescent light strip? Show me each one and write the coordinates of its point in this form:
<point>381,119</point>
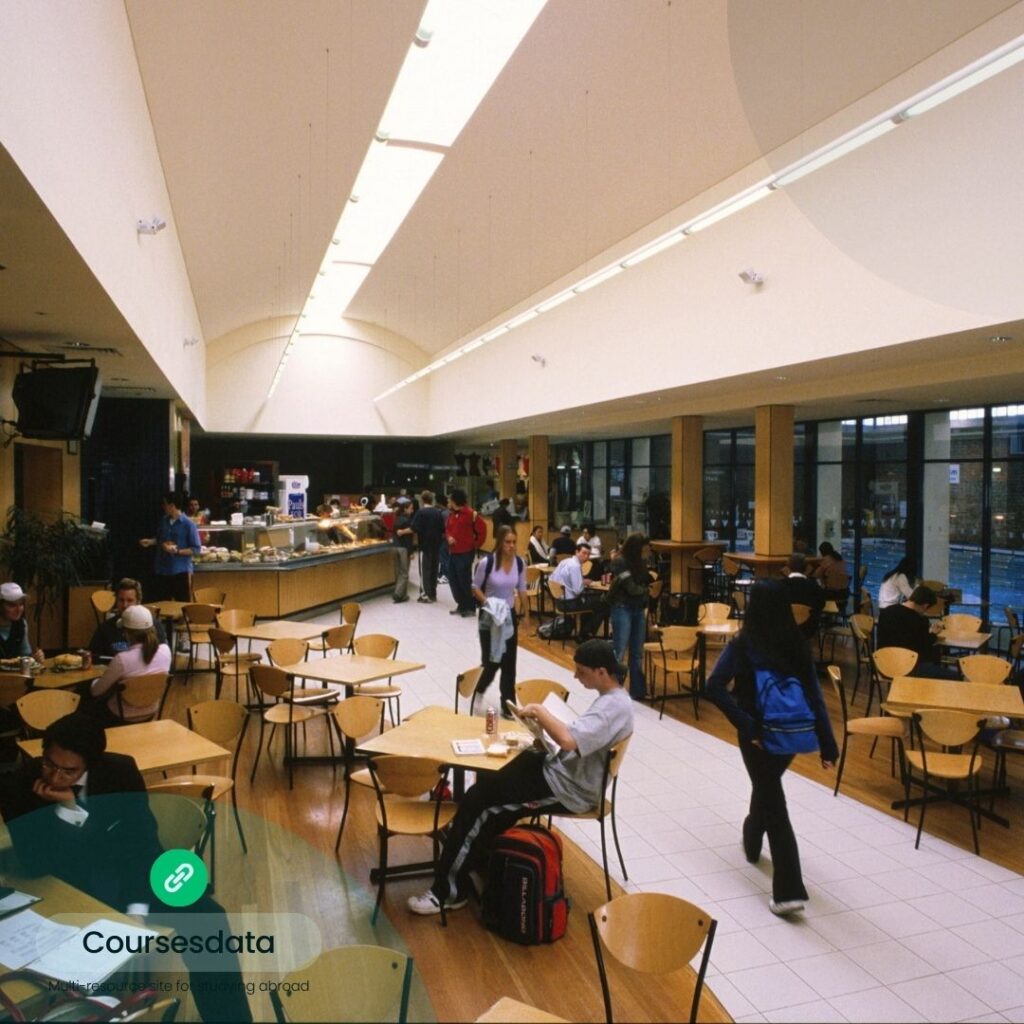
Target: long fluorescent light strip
<point>970,75</point>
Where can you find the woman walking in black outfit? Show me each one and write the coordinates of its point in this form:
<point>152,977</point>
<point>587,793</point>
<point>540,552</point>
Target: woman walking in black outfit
<point>770,639</point>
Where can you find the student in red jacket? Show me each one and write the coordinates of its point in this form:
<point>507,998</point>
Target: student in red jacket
<point>465,532</point>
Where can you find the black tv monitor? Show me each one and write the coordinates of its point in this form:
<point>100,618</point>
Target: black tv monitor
<point>56,402</point>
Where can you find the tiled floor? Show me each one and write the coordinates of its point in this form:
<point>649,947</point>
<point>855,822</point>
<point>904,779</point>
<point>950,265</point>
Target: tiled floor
<point>890,934</point>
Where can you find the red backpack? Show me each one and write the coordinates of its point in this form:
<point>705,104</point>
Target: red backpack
<point>524,900</point>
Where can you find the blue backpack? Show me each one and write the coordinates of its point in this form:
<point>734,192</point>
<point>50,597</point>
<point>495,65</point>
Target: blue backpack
<point>787,721</point>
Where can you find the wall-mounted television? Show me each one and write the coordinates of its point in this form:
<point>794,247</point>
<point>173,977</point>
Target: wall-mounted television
<point>56,402</point>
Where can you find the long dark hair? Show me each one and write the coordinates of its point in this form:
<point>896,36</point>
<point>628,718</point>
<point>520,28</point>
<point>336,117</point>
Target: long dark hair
<point>632,553</point>
<point>907,566</point>
<point>769,629</point>
<point>499,538</point>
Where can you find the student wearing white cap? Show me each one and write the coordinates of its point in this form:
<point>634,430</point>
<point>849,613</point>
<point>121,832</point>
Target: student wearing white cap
<point>13,627</point>
<point>145,656</point>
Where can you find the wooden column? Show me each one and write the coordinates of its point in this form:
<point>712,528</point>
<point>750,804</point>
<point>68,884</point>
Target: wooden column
<point>687,488</point>
<point>509,461</point>
<point>773,482</point>
<point>538,453</point>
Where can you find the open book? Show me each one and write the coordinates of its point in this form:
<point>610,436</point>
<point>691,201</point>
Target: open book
<point>558,707</point>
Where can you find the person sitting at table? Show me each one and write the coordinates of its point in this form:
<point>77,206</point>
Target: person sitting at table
<point>562,544</point>
<point>14,642</point>
<point>898,584</point>
<point>144,656</point>
<point>535,781</point>
<point>536,549</point>
<point>834,575</point>
<point>109,638</point>
<point>906,625</point>
<point>81,814</point>
<point>588,535</point>
<point>802,590</point>
<point>570,574</point>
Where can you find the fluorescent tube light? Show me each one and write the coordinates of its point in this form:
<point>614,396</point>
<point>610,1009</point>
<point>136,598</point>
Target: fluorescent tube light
<point>599,278</point>
<point>489,336</point>
<point>335,292</point>
<point>653,249</point>
<point>530,314</point>
<point>557,300</point>
<point>728,208</point>
<point>974,74</point>
<point>835,151</point>
<point>463,46</point>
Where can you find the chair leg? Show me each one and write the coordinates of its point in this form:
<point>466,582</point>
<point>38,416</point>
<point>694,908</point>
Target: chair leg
<point>344,813</point>
<point>382,876</point>
<point>842,763</point>
<point>259,749</point>
<point>238,820</point>
<point>972,809</point>
<point>615,838</point>
<point>924,804</point>
<point>604,858</point>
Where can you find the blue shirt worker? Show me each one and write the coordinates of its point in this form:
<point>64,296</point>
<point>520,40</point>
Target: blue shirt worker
<point>176,541</point>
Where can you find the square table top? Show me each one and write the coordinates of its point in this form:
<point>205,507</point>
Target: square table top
<point>965,641</point>
<point>429,733</point>
<point>172,609</point>
<point>507,1009</point>
<point>908,693</point>
<point>351,669</point>
<point>155,746</point>
<point>281,629</point>
<point>50,680</point>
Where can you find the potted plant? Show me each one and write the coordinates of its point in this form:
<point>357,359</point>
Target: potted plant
<point>47,555</point>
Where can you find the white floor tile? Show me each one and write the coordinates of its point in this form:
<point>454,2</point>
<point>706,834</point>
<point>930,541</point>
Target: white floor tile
<point>995,938</point>
<point>772,987</point>
<point>818,1012</point>
<point>1016,1015</point>
<point>949,909</point>
<point>939,998</point>
<point>675,840</point>
<point>944,950</point>
<point>876,1006</point>
<point>736,1004</point>
<point>906,883</point>
<point>899,919</point>
<point>725,885</point>
<point>791,940</point>
<point>997,900</point>
<point>860,892</point>
<point>694,863</point>
<point>993,984</point>
<point>890,961</point>
<point>739,950</point>
<point>644,869</point>
<point>847,929</point>
<point>833,974</point>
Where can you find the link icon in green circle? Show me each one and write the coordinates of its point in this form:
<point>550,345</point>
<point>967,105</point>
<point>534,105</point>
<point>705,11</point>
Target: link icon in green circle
<point>178,878</point>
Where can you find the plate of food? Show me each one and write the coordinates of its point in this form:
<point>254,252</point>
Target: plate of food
<point>14,665</point>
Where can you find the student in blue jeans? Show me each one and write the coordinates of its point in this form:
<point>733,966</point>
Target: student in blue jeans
<point>628,602</point>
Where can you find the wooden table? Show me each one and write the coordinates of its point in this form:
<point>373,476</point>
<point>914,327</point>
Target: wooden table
<point>685,576</point>
<point>280,629</point>
<point>963,641</point>
<point>51,680</point>
<point>351,670</point>
<point>766,566</point>
<point>510,1011</point>
<point>155,746</point>
<point>727,629</point>
<point>172,610</point>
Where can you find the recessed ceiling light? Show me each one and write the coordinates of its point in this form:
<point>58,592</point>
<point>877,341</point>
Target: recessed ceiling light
<point>999,339</point>
<point>943,401</point>
<point>781,376</point>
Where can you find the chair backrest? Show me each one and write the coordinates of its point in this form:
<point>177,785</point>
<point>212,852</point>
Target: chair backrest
<point>357,716</point>
<point>533,691</point>
<point>863,627</point>
<point>533,576</point>
<point>339,638</point>
<point>12,687</point>
<point>707,556</point>
<point>287,651</point>
<point>960,623</point>
<point>235,618</point>
<point>586,567</point>
<point>678,639</point>
<point>142,691</point>
<point>199,614</point>
<point>616,755</point>
<point>739,602</point>
<point>948,728</point>
<point>376,645</point>
<point>465,684</point>
<point>223,641</point>
<point>270,680</point>
<point>801,613</point>
<point>401,775</point>
<point>894,661</point>
<point>835,675</point>
<point>866,606</point>
<point>632,928</point>
<point>556,590</point>
<point>40,708</point>
<point>714,611</point>
<point>985,668</point>
<point>162,1012</point>
<point>102,603</point>
<point>350,612</point>
<point>183,785</point>
<point>730,566</point>
<point>655,589</point>
<point>353,983</point>
<point>1011,619</point>
<point>209,595</point>
<point>1016,648</point>
<point>220,721</point>
<point>862,574</point>
<point>180,820</point>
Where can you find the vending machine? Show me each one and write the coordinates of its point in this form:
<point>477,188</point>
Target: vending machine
<point>291,495</point>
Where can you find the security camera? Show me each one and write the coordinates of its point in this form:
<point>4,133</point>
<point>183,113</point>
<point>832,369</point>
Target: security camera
<point>751,276</point>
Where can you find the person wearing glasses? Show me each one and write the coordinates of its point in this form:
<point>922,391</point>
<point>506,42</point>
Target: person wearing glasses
<point>81,813</point>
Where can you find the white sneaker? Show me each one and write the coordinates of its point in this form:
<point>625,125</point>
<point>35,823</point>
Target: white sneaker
<point>785,907</point>
<point>427,903</point>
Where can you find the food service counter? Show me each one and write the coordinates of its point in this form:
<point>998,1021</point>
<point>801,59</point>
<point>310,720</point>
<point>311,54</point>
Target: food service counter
<point>277,589</point>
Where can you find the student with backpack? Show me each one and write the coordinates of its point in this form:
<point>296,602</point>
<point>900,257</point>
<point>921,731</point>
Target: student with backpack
<point>778,711</point>
<point>535,781</point>
<point>499,587</point>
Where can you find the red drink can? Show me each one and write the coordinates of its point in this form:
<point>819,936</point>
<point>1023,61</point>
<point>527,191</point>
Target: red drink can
<point>492,721</point>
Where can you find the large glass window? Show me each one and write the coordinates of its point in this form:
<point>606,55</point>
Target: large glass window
<point>729,487</point>
<point>883,500</point>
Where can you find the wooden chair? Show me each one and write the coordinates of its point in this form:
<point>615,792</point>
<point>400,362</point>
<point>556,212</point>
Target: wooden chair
<point>229,662</point>
<point>380,645</point>
<point>1012,625</point>
<point>354,718</point>
<point>353,983</point>
<point>606,809</point>
<point>198,620</point>
<point>713,611</point>
<point>709,561</point>
<point>401,783</point>
<point>534,582</point>
<point>292,652</point>
<point>337,638</point>
<point>866,604</point>
<point>561,604</point>
<point>161,1012</point>
<point>863,629</point>
<point>1016,654</point>
<point>1005,741</point>
<point>103,602</point>
<point>270,681</point>
<point>739,603</point>
<point>534,691</point>
<point>465,686</point>
<point>209,595</point>
<point>801,613</point>
<point>654,592</point>
<point>960,624</point>
<point>41,708</point>
<point>677,649</point>
<point>235,618</point>
<point>886,726</point>
<point>949,729</point>
<point>985,668</point>
<point>139,692</point>
<point>350,612</point>
<point>886,664</point>
<point>634,929</point>
<point>180,820</point>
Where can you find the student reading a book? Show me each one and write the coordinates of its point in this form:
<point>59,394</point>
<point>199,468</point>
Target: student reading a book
<point>569,779</point>
<point>82,814</point>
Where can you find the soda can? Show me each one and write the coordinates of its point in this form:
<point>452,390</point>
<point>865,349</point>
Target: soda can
<point>26,666</point>
<point>86,657</point>
<point>492,721</point>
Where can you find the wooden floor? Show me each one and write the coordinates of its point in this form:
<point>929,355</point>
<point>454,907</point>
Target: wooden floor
<point>461,969</point>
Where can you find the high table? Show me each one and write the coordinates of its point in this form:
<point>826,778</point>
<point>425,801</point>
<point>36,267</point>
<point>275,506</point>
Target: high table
<point>155,746</point>
<point>908,693</point>
<point>767,566</point>
<point>690,577</point>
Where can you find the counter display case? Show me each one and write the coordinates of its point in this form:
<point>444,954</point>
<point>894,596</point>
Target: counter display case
<point>278,569</point>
